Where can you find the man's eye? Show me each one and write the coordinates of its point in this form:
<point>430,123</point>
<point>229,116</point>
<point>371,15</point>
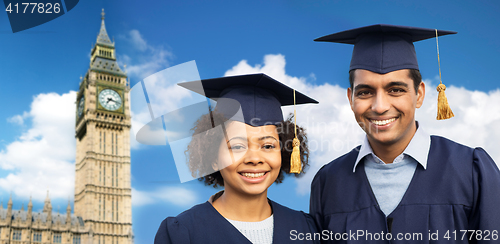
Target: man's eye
<point>397,90</point>
<point>363,93</point>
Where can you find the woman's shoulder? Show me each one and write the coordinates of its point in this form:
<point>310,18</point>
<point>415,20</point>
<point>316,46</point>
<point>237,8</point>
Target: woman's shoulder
<point>195,213</point>
<point>291,222</point>
<point>285,210</point>
<point>179,228</point>
<point>285,214</point>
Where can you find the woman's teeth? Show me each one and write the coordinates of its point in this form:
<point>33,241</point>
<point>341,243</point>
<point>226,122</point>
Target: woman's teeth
<point>382,122</point>
<point>253,175</point>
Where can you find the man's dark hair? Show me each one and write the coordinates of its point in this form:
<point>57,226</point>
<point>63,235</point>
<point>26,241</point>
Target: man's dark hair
<point>414,75</point>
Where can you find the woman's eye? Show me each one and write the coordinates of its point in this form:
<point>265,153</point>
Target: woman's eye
<point>237,147</point>
<point>269,146</point>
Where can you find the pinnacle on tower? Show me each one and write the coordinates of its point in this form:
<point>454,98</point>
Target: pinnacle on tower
<point>30,207</point>
<point>9,203</point>
<point>47,206</point>
<point>103,37</point>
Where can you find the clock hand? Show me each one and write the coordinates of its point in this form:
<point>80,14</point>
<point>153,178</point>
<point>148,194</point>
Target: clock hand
<point>110,99</point>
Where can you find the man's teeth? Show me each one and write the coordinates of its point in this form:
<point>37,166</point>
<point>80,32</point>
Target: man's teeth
<point>383,122</point>
<point>253,175</point>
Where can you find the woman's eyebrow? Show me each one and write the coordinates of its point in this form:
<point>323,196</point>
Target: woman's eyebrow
<point>266,137</point>
<point>244,138</point>
<point>237,138</point>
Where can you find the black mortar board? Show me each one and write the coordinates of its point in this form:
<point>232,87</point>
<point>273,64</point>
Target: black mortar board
<point>259,96</point>
<point>383,48</point>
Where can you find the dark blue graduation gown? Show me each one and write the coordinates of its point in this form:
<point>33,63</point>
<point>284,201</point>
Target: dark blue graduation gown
<point>203,224</point>
<point>459,190</point>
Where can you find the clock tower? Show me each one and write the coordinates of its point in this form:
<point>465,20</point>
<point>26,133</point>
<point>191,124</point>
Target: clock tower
<point>103,194</point>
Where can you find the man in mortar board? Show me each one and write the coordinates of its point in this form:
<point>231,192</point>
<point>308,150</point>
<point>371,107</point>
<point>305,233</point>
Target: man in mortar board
<point>401,183</point>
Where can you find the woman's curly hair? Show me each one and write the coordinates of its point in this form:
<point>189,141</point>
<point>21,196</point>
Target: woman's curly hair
<point>205,141</point>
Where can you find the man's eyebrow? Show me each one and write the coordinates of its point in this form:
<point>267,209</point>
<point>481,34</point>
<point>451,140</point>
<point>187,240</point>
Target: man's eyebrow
<point>362,86</point>
<point>396,83</point>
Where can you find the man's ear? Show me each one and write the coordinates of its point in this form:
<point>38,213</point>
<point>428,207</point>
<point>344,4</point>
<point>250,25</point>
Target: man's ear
<point>349,96</point>
<point>420,94</point>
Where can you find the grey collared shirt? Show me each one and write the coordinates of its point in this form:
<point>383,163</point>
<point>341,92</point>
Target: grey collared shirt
<point>389,182</point>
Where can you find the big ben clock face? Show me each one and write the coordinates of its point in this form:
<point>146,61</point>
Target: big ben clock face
<point>110,99</point>
<point>81,106</point>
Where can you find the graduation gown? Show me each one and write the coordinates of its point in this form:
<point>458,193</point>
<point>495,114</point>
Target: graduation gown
<point>459,191</point>
<point>203,224</point>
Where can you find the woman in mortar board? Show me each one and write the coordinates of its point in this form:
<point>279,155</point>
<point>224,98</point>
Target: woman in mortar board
<point>251,150</point>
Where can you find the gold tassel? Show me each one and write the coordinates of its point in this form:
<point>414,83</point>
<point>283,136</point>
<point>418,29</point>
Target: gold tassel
<point>295,164</point>
<point>444,110</point>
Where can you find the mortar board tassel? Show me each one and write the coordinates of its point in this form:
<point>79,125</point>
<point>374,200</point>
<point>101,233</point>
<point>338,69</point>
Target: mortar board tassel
<point>444,110</point>
<point>295,164</point>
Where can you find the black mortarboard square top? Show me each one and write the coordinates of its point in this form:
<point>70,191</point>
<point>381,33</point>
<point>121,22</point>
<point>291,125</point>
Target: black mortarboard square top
<point>383,48</point>
<point>259,96</point>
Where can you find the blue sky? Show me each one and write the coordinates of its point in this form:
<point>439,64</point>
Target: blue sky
<point>41,66</point>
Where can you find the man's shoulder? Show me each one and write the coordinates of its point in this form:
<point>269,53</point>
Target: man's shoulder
<point>444,147</point>
<point>443,141</point>
<point>344,162</point>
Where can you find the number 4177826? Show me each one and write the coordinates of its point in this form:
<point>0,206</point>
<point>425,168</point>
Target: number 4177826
<point>485,235</point>
<point>41,8</point>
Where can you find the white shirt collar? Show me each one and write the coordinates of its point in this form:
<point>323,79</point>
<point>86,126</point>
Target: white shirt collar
<point>418,148</point>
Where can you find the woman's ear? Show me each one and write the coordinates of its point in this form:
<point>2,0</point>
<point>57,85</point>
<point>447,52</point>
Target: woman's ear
<point>215,166</point>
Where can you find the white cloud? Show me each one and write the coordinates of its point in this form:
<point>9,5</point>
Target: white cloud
<point>332,130</point>
<point>137,40</point>
<point>172,195</point>
<point>18,119</point>
<point>149,60</point>
<point>42,158</point>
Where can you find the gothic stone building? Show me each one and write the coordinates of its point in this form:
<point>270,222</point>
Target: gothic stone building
<point>103,195</point>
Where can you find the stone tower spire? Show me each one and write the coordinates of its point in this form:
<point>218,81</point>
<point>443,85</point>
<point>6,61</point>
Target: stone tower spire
<point>68,214</point>
<point>9,209</point>
<point>30,205</point>
<point>103,37</point>
<point>47,206</point>
<point>30,212</point>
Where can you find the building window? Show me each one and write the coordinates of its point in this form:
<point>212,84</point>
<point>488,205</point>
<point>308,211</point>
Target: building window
<point>57,238</point>
<point>99,207</point>
<point>104,142</point>
<point>116,210</point>
<point>104,175</point>
<point>112,210</point>
<point>116,143</point>
<point>37,236</point>
<point>116,177</point>
<point>16,235</point>
<point>112,143</point>
<point>112,176</point>
<point>76,239</point>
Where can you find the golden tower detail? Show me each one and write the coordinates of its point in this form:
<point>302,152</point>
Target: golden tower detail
<point>103,195</point>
